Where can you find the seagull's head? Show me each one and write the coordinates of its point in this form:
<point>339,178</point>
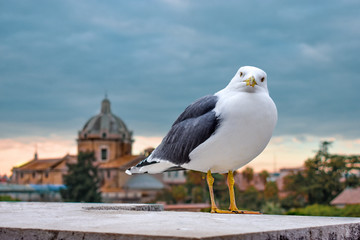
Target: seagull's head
<point>249,79</point>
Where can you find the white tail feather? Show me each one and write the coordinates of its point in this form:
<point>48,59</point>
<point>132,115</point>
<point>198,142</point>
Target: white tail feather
<point>158,167</point>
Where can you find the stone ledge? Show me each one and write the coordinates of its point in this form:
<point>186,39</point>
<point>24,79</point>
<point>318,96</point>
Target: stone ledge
<point>81,221</point>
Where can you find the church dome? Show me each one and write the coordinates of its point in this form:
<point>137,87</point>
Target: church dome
<point>105,125</point>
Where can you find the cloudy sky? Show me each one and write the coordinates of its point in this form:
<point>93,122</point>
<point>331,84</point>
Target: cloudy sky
<point>153,58</point>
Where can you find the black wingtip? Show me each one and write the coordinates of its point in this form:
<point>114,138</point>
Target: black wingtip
<point>144,163</point>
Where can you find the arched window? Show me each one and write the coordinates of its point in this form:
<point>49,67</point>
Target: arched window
<point>104,154</point>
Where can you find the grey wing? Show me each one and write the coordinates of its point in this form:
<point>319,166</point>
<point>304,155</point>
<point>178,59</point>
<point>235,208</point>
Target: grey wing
<point>194,126</point>
<point>198,108</point>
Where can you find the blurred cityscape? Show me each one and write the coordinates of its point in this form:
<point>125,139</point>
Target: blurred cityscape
<point>327,184</point>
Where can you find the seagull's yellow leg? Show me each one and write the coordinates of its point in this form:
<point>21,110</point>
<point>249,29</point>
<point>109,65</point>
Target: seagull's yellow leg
<point>231,182</point>
<point>233,208</point>
<point>210,182</point>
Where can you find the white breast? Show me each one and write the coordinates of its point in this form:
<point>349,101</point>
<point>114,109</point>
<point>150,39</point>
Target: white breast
<point>247,121</point>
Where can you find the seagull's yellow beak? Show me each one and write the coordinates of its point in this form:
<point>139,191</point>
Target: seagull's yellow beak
<point>250,81</point>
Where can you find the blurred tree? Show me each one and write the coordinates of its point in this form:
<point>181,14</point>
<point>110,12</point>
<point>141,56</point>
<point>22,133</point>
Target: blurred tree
<point>196,187</point>
<point>325,210</point>
<point>352,181</point>
<point>193,191</point>
<point>272,208</point>
<point>293,201</point>
<point>248,174</point>
<point>271,192</point>
<point>198,195</point>
<point>221,190</point>
<point>195,178</point>
<point>179,193</point>
<point>351,211</point>
<point>321,181</point>
<point>165,196</point>
<point>264,175</point>
<point>295,186</point>
<point>250,199</point>
<point>82,181</point>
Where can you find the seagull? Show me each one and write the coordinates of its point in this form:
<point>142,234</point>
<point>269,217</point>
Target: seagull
<point>218,133</point>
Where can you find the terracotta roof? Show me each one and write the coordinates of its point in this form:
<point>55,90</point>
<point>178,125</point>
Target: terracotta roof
<point>123,162</point>
<point>43,164</point>
<point>347,197</point>
<point>71,159</point>
<point>40,164</point>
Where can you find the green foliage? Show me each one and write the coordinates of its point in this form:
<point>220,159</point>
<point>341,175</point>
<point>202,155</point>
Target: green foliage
<point>293,201</point>
<point>320,182</point>
<point>316,210</point>
<point>179,193</point>
<point>248,174</point>
<point>6,198</point>
<point>194,178</point>
<point>165,196</point>
<point>352,181</point>
<point>221,192</point>
<point>271,192</point>
<point>250,199</point>
<point>295,186</point>
<point>197,195</point>
<point>82,180</point>
<point>264,176</point>
<point>196,187</point>
<point>272,208</point>
<point>325,210</point>
<point>351,211</point>
<point>193,191</point>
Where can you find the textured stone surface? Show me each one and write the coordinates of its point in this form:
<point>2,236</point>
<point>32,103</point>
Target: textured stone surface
<point>130,207</point>
<point>101,221</point>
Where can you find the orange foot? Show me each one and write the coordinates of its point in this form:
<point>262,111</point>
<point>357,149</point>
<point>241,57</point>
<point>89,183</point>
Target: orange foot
<point>234,211</point>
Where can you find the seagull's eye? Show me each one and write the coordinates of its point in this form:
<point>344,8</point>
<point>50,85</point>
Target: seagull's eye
<point>262,79</point>
<point>241,74</point>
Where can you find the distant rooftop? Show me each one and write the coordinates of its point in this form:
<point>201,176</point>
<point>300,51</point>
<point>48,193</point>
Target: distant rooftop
<point>347,197</point>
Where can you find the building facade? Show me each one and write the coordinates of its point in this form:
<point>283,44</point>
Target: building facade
<point>108,137</point>
<point>43,171</point>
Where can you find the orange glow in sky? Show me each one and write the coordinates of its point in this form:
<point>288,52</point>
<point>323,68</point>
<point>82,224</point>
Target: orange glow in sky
<point>281,151</point>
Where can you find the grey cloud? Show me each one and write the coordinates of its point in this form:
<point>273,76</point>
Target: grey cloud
<point>57,60</point>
